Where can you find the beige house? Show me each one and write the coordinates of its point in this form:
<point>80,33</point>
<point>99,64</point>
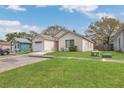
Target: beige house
<point>118,41</point>
<point>61,40</point>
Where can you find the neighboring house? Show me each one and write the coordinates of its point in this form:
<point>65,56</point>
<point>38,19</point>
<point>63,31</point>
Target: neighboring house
<point>20,45</point>
<point>60,40</point>
<point>118,40</point>
<point>5,45</point>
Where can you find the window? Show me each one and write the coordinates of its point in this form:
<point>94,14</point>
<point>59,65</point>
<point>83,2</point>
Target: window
<point>69,43</point>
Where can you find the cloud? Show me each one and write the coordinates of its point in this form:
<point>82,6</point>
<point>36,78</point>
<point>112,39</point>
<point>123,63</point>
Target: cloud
<point>9,23</point>
<point>85,9</point>
<point>19,7</point>
<point>16,8</point>
<point>9,26</point>
<point>108,15</point>
<point>88,10</point>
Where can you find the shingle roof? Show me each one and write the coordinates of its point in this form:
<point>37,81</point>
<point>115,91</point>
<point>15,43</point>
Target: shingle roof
<point>22,40</point>
<point>66,30</point>
<point>121,29</point>
<point>59,29</point>
<point>47,37</point>
<point>81,36</point>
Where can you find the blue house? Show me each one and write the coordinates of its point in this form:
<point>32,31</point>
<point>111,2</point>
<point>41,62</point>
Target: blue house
<point>20,45</point>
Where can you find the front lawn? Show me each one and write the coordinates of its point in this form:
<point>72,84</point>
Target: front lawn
<point>65,73</point>
<point>115,55</point>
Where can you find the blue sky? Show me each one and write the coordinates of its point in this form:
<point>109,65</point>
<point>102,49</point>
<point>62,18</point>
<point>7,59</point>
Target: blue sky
<point>25,18</point>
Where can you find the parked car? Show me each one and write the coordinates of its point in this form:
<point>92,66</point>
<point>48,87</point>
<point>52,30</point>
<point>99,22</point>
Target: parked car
<point>4,51</point>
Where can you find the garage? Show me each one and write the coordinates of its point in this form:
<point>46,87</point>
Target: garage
<point>43,43</point>
<point>38,46</point>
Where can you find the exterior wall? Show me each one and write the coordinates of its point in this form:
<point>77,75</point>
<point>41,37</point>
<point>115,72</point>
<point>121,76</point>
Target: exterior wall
<point>82,44</point>
<point>50,46</point>
<point>13,45</point>
<point>116,42</point>
<point>115,45</point>
<point>25,47</point>
<point>20,47</point>
<point>86,45</point>
<point>68,36</point>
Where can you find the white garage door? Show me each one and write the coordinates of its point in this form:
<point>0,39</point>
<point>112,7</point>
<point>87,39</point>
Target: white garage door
<point>38,46</point>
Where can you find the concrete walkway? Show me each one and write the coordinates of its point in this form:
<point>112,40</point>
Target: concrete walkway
<point>80,58</point>
<point>95,59</point>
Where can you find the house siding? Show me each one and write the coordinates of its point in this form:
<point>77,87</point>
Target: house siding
<point>86,45</point>
<point>25,47</point>
<point>120,47</point>
<point>20,47</point>
<point>68,36</point>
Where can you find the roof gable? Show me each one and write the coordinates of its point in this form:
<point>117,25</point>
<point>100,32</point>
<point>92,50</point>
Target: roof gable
<point>77,34</point>
<point>22,40</point>
<point>58,32</point>
<point>45,37</point>
<point>121,29</point>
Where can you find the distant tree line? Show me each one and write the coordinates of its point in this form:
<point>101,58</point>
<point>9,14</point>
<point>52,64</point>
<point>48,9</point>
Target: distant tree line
<point>28,35</point>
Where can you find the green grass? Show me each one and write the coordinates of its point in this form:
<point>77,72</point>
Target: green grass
<point>115,55</point>
<point>65,73</point>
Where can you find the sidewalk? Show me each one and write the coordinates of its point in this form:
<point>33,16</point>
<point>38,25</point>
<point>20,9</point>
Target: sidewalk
<point>80,58</point>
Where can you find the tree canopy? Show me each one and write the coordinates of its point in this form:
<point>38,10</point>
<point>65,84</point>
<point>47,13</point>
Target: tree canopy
<point>28,35</point>
<point>103,31</point>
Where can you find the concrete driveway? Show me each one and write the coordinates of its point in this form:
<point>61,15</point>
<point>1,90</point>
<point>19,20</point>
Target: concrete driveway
<point>9,62</point>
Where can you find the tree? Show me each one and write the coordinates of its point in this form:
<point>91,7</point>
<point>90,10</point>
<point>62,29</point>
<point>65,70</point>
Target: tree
<point>2,40</point>
<point>29,35</point>
<point>22,35</point>
<point>53,30</point>
<point>103,31</point>
<point>10,36</point>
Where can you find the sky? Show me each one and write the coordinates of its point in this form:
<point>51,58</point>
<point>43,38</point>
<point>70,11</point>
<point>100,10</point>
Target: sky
<point>25,18</point>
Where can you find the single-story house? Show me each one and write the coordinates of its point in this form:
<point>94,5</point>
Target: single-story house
<point>61,40</point>
<point>5,45</point>
<point>118,41</point>
<point>20,45</point>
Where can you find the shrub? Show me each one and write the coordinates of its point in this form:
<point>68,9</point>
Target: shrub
<point>73,48</point>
